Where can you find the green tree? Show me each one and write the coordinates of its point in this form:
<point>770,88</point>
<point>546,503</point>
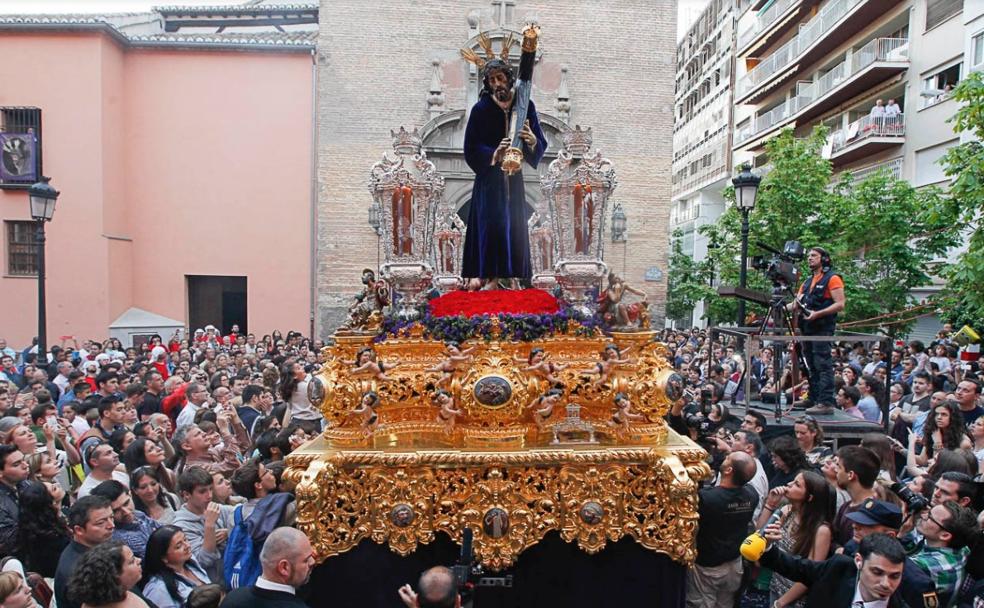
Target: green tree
<point>688,282</point>
<point>882,233</point>
<point>961,300</point>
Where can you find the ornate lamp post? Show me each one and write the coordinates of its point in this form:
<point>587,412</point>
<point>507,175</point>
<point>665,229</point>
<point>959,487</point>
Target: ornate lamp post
<point>746,189</point>
<point>43,198</point>
<point>620,232</point>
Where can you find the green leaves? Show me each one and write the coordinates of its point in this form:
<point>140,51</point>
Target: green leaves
<point>883,234</point>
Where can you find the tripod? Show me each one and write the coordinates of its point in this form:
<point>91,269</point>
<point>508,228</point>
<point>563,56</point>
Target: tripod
<point>781,321</point>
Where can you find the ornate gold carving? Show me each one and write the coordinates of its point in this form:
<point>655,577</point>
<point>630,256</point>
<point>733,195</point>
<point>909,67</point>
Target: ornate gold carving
<point>509,498</point>
<point>494,471</point>
<point>512,160</point>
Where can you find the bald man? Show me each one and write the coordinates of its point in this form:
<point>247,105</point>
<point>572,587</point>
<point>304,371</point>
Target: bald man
<point>436,589</point>
<point>287,559</point>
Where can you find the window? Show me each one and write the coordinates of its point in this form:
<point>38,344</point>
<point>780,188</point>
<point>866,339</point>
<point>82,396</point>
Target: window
<point>977,50</point>
<point>938,86</point>
<point>20,146</point>
<point>928,167</point>
<point>938,11</point>
<point>22,251</point>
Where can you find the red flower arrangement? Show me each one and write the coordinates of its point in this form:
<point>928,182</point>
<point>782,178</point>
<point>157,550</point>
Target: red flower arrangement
<point>494,302</point>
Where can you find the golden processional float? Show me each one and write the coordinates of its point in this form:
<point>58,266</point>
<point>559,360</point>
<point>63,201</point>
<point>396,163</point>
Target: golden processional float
<point>509,413</point>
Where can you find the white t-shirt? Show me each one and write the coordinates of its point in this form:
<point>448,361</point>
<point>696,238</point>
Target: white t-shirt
<point>90,482</point>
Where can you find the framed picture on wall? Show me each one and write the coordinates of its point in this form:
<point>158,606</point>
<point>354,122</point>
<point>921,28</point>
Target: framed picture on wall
<point>18,157</point>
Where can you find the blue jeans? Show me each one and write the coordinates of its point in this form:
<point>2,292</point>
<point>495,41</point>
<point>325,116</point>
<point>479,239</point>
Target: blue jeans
<point>818,359</point>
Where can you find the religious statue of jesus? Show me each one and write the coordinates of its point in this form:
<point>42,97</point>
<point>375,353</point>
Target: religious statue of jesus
<point>497,244</point>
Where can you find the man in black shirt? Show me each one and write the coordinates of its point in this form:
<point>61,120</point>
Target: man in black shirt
<point>724,513</point>
<point>91,522</point>
<point>151,404</point>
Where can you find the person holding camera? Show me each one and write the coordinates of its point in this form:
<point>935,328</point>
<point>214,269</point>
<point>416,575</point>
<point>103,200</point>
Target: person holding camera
<point>724,514</point>
<point>819,300</point>
<point>947,530</point>
<point>437,588</point>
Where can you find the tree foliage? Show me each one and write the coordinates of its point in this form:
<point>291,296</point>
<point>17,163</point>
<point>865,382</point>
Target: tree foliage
<point>961,299</point>
<point>882,233</point>
<point>689,281</point>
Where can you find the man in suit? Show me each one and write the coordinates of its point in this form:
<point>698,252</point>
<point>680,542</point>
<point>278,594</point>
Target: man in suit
<point>868,580</point>
<point>287,559</point>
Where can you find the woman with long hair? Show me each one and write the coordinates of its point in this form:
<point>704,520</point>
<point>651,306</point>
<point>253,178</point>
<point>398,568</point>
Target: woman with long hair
<point>944,428</point>
<point>806,529</point>
<point>144,452</point>
<point>809,436</point>
<point>977,436</point>
<point>170,571</point>
<point>150,497</point>
<point>42,531</point>
<point>104,575</point>
<point>872,398</point>
<point>293,390</point>
<point>883,447</point>
<point>788,459</point>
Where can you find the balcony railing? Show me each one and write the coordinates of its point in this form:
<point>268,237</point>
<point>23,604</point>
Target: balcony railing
<point>809,33</point>
<point>866,127</point>
<point>765,20</point>
<point>894,168</point>
<point>879,49</point>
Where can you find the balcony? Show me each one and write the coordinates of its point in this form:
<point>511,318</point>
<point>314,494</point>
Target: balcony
<point>893,167</point>
<point>862,70</point>
<point>771,24</point>
<point>831,27</point>
<point>865,137</point>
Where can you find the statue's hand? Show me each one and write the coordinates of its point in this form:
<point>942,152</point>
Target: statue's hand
<point>527,135</point>
<point>500,151</point>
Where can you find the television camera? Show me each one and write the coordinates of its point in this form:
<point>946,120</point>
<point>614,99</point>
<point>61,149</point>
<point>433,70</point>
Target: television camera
<point>782,267</point>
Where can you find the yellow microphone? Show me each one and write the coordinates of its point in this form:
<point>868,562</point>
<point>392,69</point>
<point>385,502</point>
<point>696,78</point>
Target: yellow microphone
<point>755,545</point>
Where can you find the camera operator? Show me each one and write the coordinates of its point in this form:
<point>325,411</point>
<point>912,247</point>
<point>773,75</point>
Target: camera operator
<point>819,300</point>
<point>437,588</point>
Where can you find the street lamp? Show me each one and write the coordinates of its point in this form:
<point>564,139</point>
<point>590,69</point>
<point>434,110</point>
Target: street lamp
<point>620,232</point>
<point>746,189</point>
<point>375,220</point>
<point>618,224</point>
<point>43,198</point>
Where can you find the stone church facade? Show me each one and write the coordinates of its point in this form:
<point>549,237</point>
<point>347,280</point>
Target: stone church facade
<point>383,65</point>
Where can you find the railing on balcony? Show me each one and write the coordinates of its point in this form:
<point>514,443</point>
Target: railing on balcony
<point>893,167</point>
<point>764,21</point>
<point>865,127</point>
<point>809,33</point>
<point>879,49</point>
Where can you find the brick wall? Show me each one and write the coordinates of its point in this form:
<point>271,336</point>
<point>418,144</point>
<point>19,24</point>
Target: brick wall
<point>374,71</point>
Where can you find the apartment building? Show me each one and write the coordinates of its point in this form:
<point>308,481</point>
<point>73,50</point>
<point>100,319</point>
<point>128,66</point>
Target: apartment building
<point>702,146</point>
<point>877,73</point>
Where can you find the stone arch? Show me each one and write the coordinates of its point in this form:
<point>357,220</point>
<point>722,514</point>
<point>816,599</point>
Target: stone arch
<point>443,139</point>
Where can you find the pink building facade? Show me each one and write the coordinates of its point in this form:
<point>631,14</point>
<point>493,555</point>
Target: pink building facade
<point>185,175</point>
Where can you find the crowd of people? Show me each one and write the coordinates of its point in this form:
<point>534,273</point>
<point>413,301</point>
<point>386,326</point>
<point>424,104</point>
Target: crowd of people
<point>891,520</point>
<point>151,476</point>
<point>128,475</point>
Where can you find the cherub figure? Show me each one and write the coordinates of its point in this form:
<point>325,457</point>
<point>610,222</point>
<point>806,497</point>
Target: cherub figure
<point>456,357</point>
<point>367,412</point>
<point>366,363</point>
<point>543,405</point>
<point>610,357</point>
<point>448,412</point>
<point>624,413</point>
<point>537,364</point>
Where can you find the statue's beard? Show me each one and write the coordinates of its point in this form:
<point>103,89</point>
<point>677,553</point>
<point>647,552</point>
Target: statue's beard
<point>503,94</point>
